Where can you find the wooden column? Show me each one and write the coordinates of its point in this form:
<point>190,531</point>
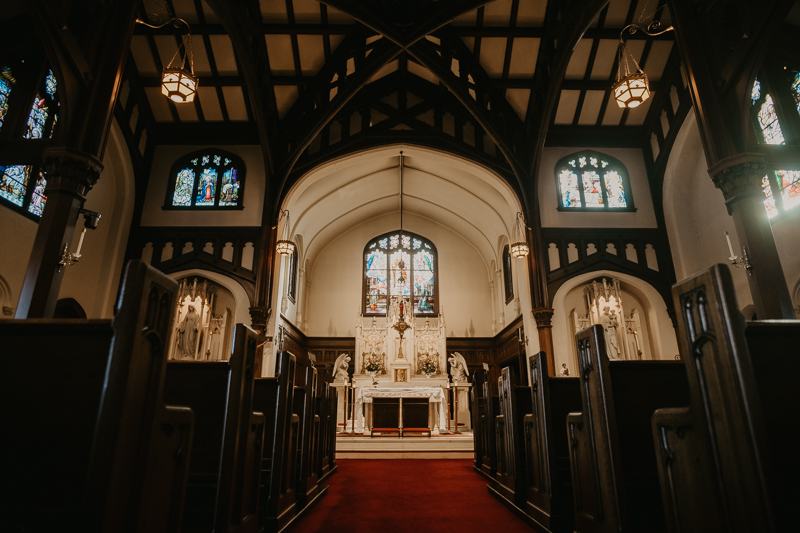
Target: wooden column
<point>261,312</point>
<point>544,323</point>
<point>740,181</point>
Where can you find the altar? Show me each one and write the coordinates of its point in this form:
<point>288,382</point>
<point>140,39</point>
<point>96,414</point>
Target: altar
<point>437,407</point>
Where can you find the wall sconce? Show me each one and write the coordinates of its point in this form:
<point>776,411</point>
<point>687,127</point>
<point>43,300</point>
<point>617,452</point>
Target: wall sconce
<point>285,246</point>
<point>632,88</point>
<point>91,220</point>
<point>739,262</point>
<point>520,248</point>
<point>177,83</point>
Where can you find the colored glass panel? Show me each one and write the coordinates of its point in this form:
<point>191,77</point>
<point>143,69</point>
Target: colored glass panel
<point>205,160</point>
<point>417,244</point>
<point>399,268</point>
<point>37,118</point>
<point>615,189</point>
<point>755,94</point>
<point>53,127</point>
<point>376,282</point>
<point>229,194</point>
<point>789,182</point>
<point>6,83</point>
<point>50,84</point>
<point>592,190</point>
<point>14,182</point>
<point>406,241</point>
<point>769,202</point>
<point>206,187</point>
<point>768,120</point>
<point>217,160</point>
<point>383,243</point>
<point>38,198</point>
<point>570,197</point>
<point>796,90</point>
<point>394,241</point>
<point>184,185</point>
<point>423,282</point>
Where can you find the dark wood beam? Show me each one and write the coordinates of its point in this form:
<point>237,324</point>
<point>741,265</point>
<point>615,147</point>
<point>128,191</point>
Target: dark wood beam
<point>267,29</point>
<point>596,136</point>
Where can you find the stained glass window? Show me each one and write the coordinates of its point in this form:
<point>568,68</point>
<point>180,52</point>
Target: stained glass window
<point>14,183</point>
<point>769,202</point>
<point>570,197</point>
<point>755,94</point>
<point>399,264</point>
<point>6,84</point>
<point>768,120</point>
<point>38,197</point>
<point>37,118</point>
<point>207,179</point>
<point>50,84</point>
<point>796,90</point>
<point>789,183</point>
<point>592,181</point>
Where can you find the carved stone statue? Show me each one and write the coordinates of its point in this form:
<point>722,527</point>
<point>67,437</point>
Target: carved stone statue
<point>458,367</point>
<point>187,334</point>
<point>564,370</point>
<point>610,325</point>
<point>341,366</point>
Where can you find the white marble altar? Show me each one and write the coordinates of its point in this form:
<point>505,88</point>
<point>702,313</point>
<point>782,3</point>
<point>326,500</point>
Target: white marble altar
<point>436,414</point>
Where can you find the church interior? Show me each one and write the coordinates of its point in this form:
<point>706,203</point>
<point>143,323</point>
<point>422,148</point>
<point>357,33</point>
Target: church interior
<point>259,254</point>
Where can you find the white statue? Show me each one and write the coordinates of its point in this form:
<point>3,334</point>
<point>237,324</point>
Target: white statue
<point>610,325</point>
<point>458,367</point>
<point>340,368</point>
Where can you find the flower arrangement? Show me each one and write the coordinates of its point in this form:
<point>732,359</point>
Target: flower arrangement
<point>372,365</point>
<point>428,366</point>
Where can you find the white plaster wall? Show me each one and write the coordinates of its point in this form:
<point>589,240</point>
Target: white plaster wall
<point>94,281</point>
<point>334,297</point>
<point>253,198</point>
<point>16,243</point>
<point>632,158</point>
<point>697,218</point>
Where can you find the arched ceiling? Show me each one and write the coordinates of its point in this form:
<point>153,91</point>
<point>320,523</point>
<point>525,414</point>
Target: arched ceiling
<point>438,188</point>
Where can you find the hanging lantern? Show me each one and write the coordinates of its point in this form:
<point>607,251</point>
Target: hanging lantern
<point>631,88</point>
<point>285,246</point>
<point>178,85</point>
<point>520,248</point>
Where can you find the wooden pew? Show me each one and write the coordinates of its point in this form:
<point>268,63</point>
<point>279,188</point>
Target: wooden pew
<point>515,402</point>
<point>222,494</point>
<point>614,472</point>
<point>491,408</point>
<point>549,499</point>
<point>275,398</point>
<point>326,446</point>
<point>83,417</point>
<point>478,418</point>
<point>307,484</point>
<point>728,461</point>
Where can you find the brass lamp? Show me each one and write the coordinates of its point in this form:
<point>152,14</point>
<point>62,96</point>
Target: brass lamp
<point>520,248</point>
<point>285,246</point>
<point>177,83</point>
<point>632,87</point>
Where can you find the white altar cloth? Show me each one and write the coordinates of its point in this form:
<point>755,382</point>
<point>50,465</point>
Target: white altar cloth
<point>434,395</point>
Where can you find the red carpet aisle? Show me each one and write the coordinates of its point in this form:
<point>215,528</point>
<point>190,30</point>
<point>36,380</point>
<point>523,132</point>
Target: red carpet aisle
<point>413,495</point>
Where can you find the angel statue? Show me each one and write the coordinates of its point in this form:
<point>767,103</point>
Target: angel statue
<point>458,367</point>
<point>340,368</point>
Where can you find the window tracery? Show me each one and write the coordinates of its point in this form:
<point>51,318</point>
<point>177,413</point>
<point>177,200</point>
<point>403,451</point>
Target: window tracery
<point>206,179</point>
<point>591,181</point>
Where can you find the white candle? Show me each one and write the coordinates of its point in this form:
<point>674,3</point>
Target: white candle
<point>730,246</point>
<point>80,243</point>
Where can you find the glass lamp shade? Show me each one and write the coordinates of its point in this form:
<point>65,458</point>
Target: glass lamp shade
<point>285,247</point>
<point>631,91</point>
<point>519,249</point>
<point>178,85</point>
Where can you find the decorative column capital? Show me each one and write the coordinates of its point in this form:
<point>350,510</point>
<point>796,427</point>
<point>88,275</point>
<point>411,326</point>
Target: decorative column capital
<point>71,171</point>
<point>543,316</point>
<point>259,317</point>
<point>739,177</point>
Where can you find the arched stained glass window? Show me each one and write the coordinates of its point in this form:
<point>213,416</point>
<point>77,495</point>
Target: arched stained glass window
<point>206,179</point>
<point>591,181</point>
<point>7,82</point>
<point>43,116</point>
<point>508,281</point>
<point>400,264</point>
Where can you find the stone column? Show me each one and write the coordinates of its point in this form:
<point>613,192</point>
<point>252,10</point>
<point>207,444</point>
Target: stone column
<point>544,319</point>
<point>70,176</point>
<point>739,179</point>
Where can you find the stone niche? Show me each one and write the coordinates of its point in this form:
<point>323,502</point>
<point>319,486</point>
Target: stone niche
<point>203,326</point>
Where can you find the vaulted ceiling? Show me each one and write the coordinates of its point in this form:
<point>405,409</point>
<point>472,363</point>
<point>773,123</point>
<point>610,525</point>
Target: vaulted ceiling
<point>491,81</point>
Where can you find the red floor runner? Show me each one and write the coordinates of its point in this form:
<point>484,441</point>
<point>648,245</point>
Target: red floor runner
<point>415,495</point>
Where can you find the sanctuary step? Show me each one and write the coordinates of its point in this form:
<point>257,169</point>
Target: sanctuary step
<point>408,447</point>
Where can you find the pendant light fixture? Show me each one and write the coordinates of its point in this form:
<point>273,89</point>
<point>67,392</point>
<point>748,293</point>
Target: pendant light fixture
<point>177,83</point>
<point>632,87</point>
<point>520,248</point>
<point>285,246</point>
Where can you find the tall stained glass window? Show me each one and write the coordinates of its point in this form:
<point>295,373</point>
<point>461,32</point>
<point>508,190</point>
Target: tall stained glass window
<point>796,90</point>
<point>7,82</point>
<point>206,179</point>
<point>591,181</point>
<point>45,106</point>
<point>400,264</point>
<point>765,115</point>
<point>14,183</point>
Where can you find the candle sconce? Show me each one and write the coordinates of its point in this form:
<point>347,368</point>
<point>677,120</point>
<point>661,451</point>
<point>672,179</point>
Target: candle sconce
<point>91,220</point>
<point>739,262</point>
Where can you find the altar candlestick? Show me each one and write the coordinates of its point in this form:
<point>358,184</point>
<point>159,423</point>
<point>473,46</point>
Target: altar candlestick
<point>730,246</point>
